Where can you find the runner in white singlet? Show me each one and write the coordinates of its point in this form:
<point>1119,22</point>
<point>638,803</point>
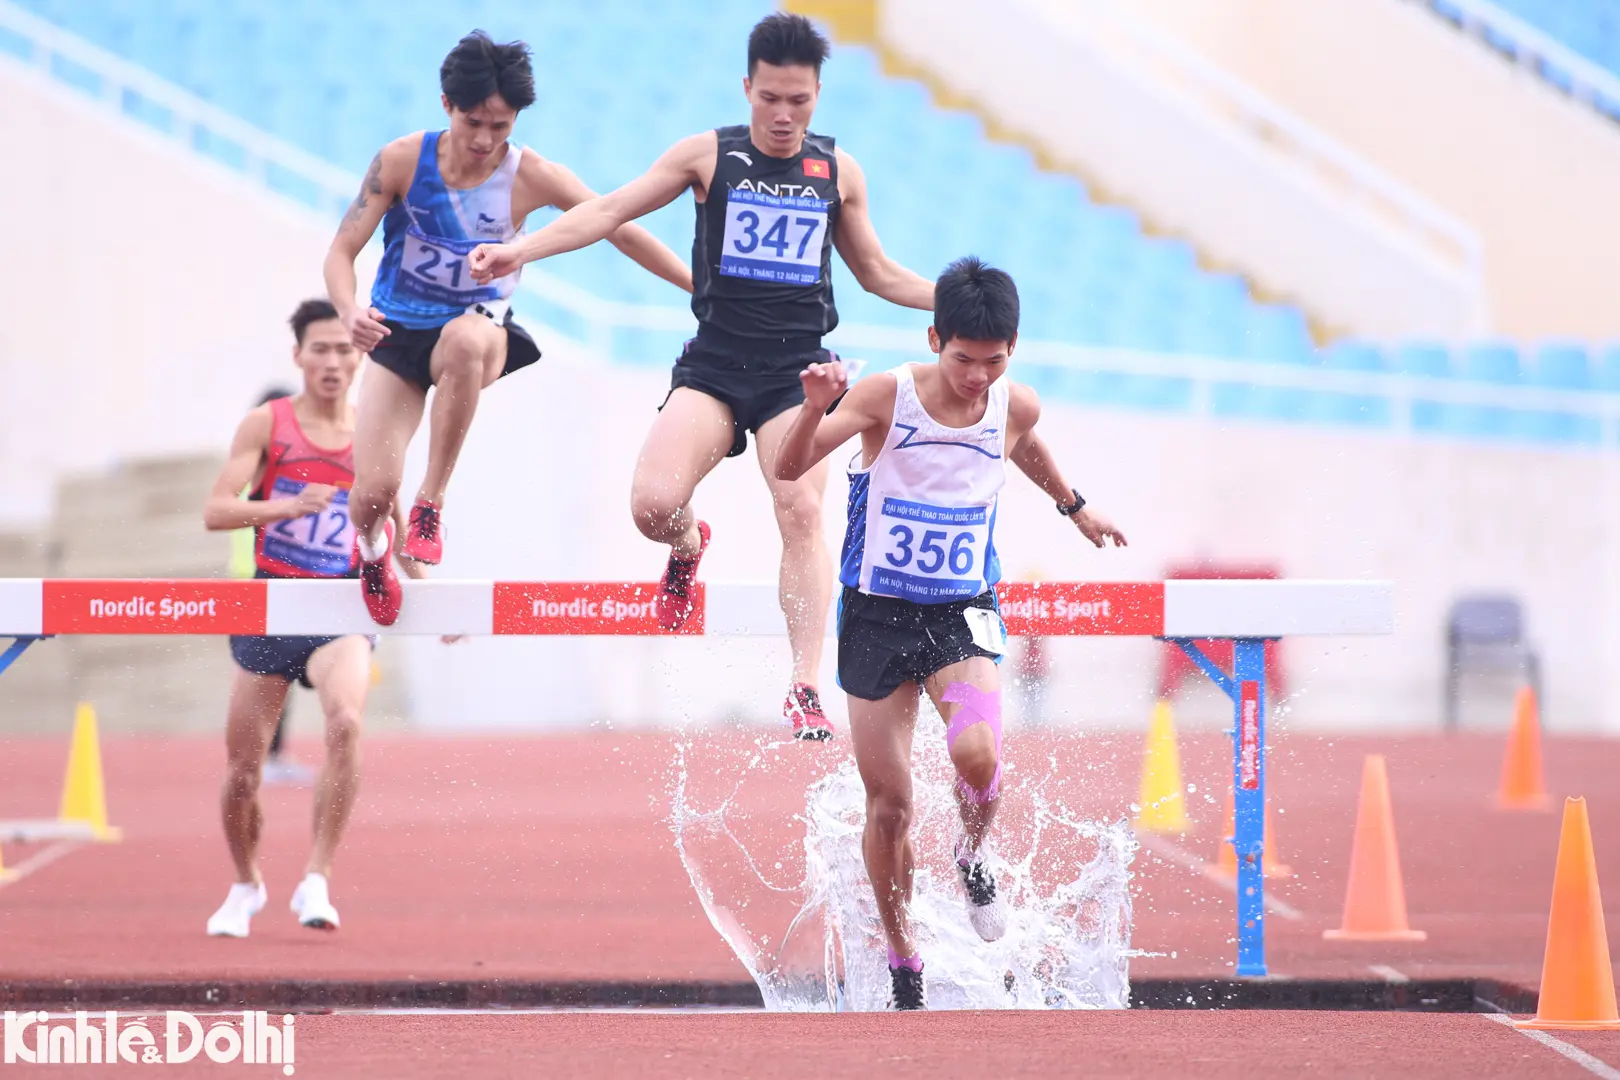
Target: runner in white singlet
<point>919,571</point>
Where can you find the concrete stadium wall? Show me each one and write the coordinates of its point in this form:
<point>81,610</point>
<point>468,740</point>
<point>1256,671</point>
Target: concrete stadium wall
<point>146,303</point>
<point>1493,143</point>
<point>1085,88</point>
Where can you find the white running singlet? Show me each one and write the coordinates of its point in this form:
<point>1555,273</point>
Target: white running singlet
<point>922,516</point>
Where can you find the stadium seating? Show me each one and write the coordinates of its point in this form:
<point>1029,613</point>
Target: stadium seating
<point>339,80</point>
<point>1589,27</point>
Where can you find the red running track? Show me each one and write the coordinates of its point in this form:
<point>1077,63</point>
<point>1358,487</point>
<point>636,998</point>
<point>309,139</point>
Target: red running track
<point>550,858</point>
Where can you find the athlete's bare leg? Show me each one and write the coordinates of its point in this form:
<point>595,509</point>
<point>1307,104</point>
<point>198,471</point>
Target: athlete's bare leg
<point>340,671</point>
<point>470,354</point>
<point>806,580</point>
<point>250,718</point>
<point>689,438</point>
<point>974,752</point>
<point>389,411</point>
<point>882,732</point>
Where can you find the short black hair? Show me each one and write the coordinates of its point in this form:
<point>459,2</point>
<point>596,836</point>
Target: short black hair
<point>975,302</point>
<point>478,68</point>
<point>780,39</point>
<point>273,393</point>
<point>308,312</point>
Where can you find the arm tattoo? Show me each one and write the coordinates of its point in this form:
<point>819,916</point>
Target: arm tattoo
<point>371,185</point>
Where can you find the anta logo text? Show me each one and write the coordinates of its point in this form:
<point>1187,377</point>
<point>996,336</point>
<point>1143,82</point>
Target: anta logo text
<point>781,191</point>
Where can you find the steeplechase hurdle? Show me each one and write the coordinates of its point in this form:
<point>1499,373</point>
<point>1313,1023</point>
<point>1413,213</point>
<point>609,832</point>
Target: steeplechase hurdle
<point>1184,612</point>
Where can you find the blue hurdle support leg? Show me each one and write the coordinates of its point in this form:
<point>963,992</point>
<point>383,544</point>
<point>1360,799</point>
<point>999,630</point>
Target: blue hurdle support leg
<point>16,649</point>
<point>1249,801</point>
<point>1246,687</point>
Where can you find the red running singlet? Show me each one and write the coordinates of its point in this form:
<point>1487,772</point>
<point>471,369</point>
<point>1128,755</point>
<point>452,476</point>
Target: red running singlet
<point>316,545</point>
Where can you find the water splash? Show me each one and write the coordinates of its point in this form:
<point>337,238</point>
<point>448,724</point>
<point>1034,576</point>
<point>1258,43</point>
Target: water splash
<point>783,882</point>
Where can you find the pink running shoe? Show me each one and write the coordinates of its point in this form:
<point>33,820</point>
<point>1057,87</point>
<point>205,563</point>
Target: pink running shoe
<point>673,605</point>
<point>379,582</point>
<point>803,710</point>
<point>424,536</point>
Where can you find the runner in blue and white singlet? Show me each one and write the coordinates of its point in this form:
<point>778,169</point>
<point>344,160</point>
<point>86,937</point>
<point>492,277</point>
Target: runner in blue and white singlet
<point>919,612</point>
<point>438,195</point>
<point>422,281</point>
<point>922,517</point>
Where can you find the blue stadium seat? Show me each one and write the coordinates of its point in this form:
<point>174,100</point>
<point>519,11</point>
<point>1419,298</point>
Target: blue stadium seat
<point>1350,355</point>
<point>1424,358</point>
<point>1562,366</point>
<point>1586,27</point>
<point>1278,334</point>
<point>1493,361</point>
<point>1608,369</point>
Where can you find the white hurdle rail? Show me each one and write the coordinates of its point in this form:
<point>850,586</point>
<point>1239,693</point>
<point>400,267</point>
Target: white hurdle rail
<point>35,607</point>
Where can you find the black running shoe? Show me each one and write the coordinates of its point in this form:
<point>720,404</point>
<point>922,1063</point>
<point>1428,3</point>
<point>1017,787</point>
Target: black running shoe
<point>906,990</point>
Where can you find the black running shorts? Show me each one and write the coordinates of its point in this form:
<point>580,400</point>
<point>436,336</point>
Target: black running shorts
<point>885,642</point>
<point>757,386</point>
<point>284,656</point>
<point>409,353</point>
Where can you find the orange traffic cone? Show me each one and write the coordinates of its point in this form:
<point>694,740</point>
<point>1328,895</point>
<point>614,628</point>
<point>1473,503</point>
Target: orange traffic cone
<point>1226,862</point>
<point>1522,785</point>
<point>1577,983</point>
<point>1375,901</point>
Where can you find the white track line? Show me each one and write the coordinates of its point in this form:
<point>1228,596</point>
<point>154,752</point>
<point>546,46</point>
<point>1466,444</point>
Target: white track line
<point>1175,853</point>
<point>1387,973</point>
<point>39,860</point>
<point>1593,1065</point>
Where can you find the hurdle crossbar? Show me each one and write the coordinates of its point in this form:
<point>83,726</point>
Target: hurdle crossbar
<point>1248,613</point>
<point>1171,609</point>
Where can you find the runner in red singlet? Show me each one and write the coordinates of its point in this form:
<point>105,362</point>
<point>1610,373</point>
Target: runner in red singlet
<point>297,454</point>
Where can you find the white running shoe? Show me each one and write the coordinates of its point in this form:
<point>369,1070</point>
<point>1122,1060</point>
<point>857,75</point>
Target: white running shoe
<point>279,771</point>
<point>312,905</point>
<point>241,904</point>
<point>985,911</point>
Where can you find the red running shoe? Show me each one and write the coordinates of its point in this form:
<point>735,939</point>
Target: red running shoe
<point>424,536</point>
<point>803,710</point>
<point>379,582</point>
<point>673,605</point>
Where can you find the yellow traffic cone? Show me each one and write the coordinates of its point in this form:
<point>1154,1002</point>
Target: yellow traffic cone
<point>1162,799</point>
<point>84,794</point>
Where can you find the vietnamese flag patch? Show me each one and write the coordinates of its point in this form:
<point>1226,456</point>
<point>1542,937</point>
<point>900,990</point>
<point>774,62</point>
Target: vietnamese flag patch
<point>817,167</point>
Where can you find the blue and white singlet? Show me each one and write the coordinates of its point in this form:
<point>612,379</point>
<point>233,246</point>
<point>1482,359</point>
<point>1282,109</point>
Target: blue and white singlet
<point>922,516</point>
<point>423,281</point>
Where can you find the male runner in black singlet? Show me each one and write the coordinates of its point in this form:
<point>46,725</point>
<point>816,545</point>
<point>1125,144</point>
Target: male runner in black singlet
<point>773,200</point>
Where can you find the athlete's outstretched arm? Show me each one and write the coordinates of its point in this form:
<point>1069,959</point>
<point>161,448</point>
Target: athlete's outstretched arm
<point>226,509</point>
<point>598,218</point>
<point>857,242</point>
<point>562,189</point>
<point>1034,459</point>
<point>386,182</point>
<point>813,434</point>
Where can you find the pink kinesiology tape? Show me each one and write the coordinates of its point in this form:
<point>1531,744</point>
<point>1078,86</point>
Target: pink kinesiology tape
<point>976,707</point>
